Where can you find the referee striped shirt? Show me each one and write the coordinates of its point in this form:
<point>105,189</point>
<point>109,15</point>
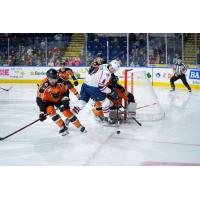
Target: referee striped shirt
<point>179,69</point>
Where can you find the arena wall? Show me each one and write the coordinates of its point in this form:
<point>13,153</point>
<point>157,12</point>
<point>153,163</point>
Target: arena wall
<point>159,76</point>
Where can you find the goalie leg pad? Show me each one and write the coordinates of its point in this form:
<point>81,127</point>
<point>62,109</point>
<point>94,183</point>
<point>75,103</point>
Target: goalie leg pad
<point>131,107</point>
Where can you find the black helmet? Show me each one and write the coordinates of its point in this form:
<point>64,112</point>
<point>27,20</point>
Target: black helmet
<point>180,57</point>
<point>52,73</point>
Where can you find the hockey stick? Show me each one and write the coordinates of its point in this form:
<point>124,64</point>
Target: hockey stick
<point>136,121</point>
<point>133,117</point>
<point>140,108</point>
<point>7,89</point>
<point>3,138</point>
<point>146,106</point>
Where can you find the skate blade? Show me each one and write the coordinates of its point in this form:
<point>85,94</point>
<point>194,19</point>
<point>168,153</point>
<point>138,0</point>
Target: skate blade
<point>85,131</point>
<point>64,133</point>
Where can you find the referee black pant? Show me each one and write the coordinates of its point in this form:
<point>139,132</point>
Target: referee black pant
<point>182,77</point>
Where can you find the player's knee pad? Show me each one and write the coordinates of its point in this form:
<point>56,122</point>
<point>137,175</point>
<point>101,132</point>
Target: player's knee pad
<point>64,104</point>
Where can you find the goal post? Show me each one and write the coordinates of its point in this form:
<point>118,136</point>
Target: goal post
<point>148,105</point>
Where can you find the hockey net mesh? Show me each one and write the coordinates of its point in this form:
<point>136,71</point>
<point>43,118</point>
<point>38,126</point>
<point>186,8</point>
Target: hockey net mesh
<point>148,106</point>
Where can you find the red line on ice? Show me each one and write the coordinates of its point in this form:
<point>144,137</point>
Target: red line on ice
<point>152,163</point>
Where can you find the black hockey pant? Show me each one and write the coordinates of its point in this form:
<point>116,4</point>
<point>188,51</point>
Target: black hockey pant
<point>182,77</point>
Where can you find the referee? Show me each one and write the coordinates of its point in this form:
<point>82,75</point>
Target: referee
<point>179,71</point>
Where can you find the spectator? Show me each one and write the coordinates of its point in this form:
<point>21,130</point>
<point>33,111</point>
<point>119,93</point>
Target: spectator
<point>57,63</point>
<point>90,58</point>
<point>29,51</point>
<point>77,61</point>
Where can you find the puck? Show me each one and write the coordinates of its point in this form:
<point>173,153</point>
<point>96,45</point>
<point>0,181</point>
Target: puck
<point>118,132</point>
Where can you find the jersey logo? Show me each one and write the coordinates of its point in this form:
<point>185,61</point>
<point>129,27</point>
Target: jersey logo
<point>55,95</point>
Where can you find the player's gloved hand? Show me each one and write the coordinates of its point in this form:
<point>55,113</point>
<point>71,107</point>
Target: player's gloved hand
<point>122,90</point>
<point>76,83</point>
<point>42,116</point>
<point>114,95</point>
<point>65,100</point>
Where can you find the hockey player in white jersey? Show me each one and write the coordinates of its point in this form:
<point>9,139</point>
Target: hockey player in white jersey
<point>95,87</point>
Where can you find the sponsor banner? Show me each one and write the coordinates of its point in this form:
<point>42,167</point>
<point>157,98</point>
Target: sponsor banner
<point>38,73</point>
<point>157,75</point>
<point>195,74</point>
<point>34,73</point>
<point>23,73</point>
<point>163,75</point>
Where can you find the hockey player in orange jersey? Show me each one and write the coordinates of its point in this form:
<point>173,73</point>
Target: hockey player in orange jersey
<point>51,94</point>
<point>65,73</point>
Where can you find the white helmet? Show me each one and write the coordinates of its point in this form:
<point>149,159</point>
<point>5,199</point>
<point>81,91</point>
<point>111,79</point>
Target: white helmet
<point>115,64</point>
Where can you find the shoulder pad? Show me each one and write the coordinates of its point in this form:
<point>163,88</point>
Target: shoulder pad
<point>43,86</point>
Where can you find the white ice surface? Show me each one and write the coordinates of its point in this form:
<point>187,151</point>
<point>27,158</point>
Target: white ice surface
<point>176,139</point>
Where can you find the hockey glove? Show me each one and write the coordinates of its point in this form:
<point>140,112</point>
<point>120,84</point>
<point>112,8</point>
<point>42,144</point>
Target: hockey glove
<point>76,83</point>
<point>114,95</point>
<point>42,116</point>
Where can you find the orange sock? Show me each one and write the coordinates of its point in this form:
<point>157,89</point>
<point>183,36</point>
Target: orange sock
<point>60,122</point>
<point>74,90</point>
<point>72,118</point>
<point>54,116</point>
<point>97,109</point>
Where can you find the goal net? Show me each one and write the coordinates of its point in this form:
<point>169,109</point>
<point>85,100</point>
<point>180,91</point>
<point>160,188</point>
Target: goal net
<point>148,106</point>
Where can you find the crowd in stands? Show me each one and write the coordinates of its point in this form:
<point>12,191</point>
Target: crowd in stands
<point>48,49</point>
<point>137,49</point>
<point>174,47</point>
<point>3,48</point>
<point>116,46</point>
<point>34,49</point>
<point>157,49</point>
<point>198,56</point>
